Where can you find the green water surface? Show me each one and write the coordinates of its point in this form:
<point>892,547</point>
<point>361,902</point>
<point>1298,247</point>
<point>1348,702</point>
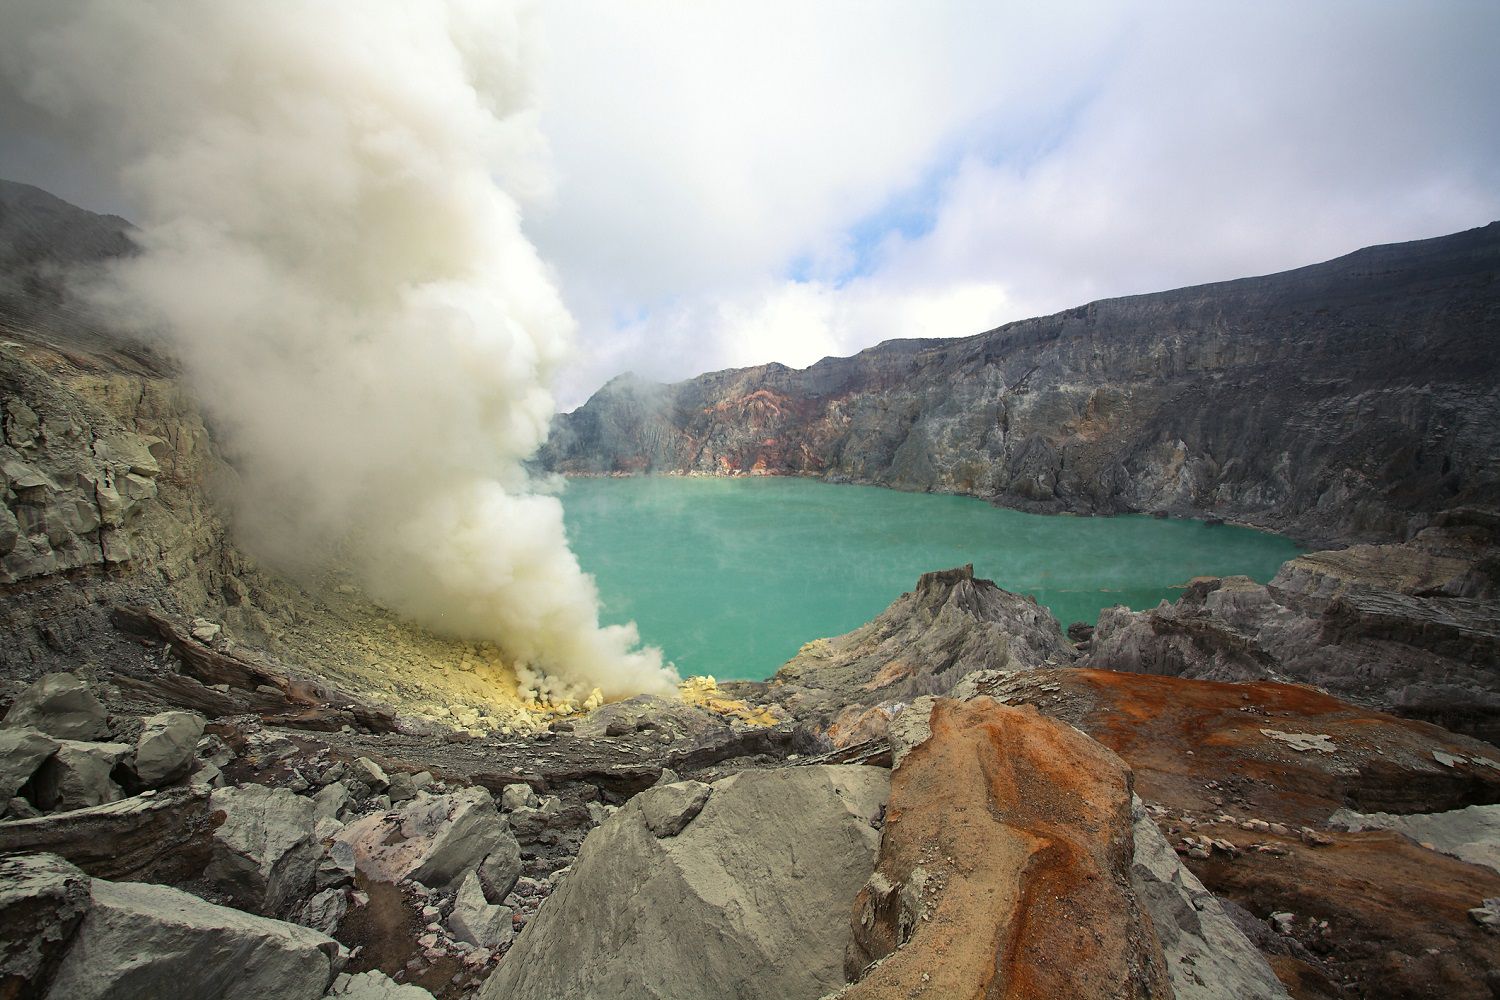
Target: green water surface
<point>730,576</point>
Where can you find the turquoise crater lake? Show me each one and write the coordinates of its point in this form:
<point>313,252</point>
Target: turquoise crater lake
<point>730,576</point>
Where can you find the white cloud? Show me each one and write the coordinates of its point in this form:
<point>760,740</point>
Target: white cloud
<point>703,153</point>
<point>704,150</point>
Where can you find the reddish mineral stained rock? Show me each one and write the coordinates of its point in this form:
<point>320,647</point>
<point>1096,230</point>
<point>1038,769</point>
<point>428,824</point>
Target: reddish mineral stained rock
<point>1004,869</point>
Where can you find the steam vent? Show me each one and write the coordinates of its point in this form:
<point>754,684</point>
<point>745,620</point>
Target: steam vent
<point>552,501</point>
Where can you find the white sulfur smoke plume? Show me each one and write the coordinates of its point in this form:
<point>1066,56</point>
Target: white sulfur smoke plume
<point>328,199</point>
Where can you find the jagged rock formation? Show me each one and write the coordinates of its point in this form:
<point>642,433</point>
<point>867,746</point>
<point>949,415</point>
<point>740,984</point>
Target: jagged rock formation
<point>1343,401</point>
<point>949,626</point>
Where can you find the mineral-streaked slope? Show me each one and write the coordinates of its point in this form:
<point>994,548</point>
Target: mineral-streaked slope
<point>1342,401</point>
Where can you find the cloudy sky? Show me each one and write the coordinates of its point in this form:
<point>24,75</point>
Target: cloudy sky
<point>735,183</point>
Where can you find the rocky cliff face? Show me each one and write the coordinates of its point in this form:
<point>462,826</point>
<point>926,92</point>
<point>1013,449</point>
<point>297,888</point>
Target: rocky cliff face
<point>114,494</point>
<point>1342,401</point>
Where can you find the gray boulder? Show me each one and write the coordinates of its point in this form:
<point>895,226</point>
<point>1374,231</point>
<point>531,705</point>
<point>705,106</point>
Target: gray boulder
<point>375,986</point>
<point>366,770</point>
<point>42,901</point>
<point>22,752</point>
<point>1207,956</point>
<point>78,775</point>
<point>60,705</point>
<point>750,899</point>
<point>331,800</point>
<point>518,795</point>
<point>265,851</point>
<point>402,788</point>
<point>167,747</point>
<point>140,941</point>
<point>324,910</point>
<point>1471,834</point>
<point>534,823</point>
<point>432,839</point>
<point>475,920</point>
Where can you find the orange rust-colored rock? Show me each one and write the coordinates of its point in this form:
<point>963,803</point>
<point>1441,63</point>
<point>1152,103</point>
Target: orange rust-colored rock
<point>1396,913</point>
<point>1004,869</point>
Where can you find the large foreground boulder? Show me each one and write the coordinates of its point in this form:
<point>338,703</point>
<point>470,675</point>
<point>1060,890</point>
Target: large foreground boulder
<point>155,941</point>
<point>743,892</point>
<point>1005,869</point>
<point>60,705</point>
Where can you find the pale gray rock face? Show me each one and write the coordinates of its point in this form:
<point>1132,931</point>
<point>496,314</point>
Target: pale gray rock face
<point>375,986</point>
<point>22,752</point>
<point>500,869</point>
<point>166,748</point>
<point>265,852</point>
<point>432,839</point>
<point>77,775</point>
<point>1471,834</point>
<point>751,899</point>
<point>42,900</point>
<point>60,705</point>
<point>911,728</point>
<point>1207,956</point>
<point>475,920</point>
<point>142,941</point>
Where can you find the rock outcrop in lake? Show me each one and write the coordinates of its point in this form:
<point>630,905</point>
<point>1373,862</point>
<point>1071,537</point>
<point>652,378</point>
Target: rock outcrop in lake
<point>850,686</point>
<point>1345,401</point>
